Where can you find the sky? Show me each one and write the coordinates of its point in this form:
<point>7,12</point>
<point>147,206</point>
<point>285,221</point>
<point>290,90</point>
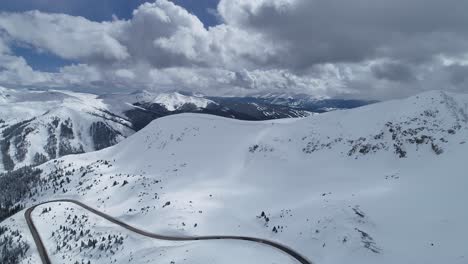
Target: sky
<point>368,49</point>
<point>102,10</point>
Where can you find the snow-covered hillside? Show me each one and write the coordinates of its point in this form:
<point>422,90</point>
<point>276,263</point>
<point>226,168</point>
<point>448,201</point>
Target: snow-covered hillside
<point>68,228</point>
<point>174,101</point>
<point>385,183</point>
<point>310,103</point>
<point>37,126</point>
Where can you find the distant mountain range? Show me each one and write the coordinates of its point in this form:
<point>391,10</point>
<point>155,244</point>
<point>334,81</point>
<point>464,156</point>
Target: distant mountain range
<point>298,102</point>
<point>37,126</point>
<point>149,106</point>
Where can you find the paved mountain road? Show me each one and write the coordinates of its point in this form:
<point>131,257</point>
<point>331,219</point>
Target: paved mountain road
<point>46,260</point>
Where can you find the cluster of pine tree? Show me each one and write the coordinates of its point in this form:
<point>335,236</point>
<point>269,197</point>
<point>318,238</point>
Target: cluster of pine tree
<point>12,248</point>
<point>15,186</point>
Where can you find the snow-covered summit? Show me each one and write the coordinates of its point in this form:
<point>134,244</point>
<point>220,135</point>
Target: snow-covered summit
<point>171,101</point>
<point>29,119</point>
<point>37,126</point>
<point>432,116</point>
<point>174,101</point>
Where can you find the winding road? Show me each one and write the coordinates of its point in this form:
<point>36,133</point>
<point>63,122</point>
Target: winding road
<point>46,260</point>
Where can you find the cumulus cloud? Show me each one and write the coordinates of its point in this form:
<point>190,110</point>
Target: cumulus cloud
<point>15,70</point>
<point>362,48</point>
<point>66,36</point>
<point>163,34</point>
<point>352,31</point>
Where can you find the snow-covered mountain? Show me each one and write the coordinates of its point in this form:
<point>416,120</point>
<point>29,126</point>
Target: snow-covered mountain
<point>176,101</point>
<point>160,105</point>
<point>36,126</point>
<point>39,126</point>
<point>309,103</point>
<point>384,183</point>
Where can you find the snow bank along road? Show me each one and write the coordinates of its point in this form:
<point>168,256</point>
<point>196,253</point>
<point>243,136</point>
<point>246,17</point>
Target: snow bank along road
<point>45,257</point>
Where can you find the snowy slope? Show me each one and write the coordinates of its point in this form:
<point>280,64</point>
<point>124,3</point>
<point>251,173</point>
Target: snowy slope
<point>76,227</point>
<point>174,101</point>
<point>171,101</point>
<point>385,183</point>
<point>143,107</point>
<point>16,240</point>
<point>36,126</point>
<point>41,125</point>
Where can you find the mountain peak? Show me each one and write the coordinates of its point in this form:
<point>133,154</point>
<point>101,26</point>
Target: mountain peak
<point>175,100</point>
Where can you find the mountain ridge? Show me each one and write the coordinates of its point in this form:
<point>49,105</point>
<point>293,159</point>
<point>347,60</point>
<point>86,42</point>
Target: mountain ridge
<point>42,125</point>
<point>356,185</point>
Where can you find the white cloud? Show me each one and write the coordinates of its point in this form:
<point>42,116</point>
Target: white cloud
<point>239,12</point>
<point>15,70</point>
<point>162,39</point>
<point>66,36</point>
<point>124,73</point>
<point>333,47</point>
<point>78,74</point>
<point>163,34</point>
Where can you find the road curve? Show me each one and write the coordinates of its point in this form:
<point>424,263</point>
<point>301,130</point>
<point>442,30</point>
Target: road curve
<point>46,260</point>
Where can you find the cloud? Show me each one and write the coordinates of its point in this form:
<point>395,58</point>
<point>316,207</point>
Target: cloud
<point>337,31</point>
<point>360,48</point>
<point>66,36</point>
<point>124,73</point>
<point>393,71</point>
<point>160,37</point>
<point>163,34</point>
<point>15,70</point>
<point>458,74</point>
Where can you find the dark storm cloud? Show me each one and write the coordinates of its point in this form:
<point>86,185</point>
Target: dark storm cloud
<point>458,74</point>
<point>393,71</point>
<point>332,31</point>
